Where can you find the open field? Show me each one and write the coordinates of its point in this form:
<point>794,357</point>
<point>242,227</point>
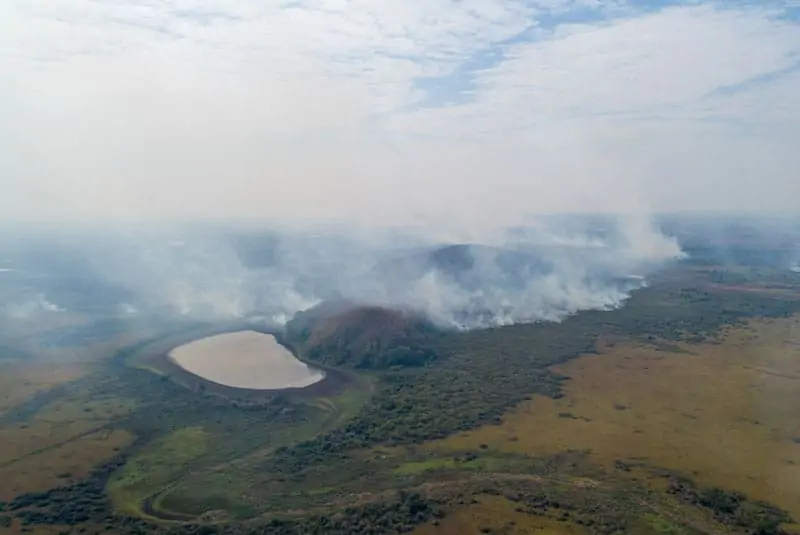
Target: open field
<point>57,427</point>
<point>63,436</point>
<point>228,478</point>
<point>60,464</point>
<point>494,514</point>
<point>203,439</point>
<point>19,380</point>
<point>155,466</point>
<point>722,413</point>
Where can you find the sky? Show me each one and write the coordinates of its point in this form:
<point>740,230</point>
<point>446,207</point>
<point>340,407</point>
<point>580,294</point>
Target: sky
<point>379,111</point>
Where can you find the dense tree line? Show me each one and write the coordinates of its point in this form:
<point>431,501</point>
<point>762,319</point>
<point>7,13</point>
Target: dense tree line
<point>733,508</point>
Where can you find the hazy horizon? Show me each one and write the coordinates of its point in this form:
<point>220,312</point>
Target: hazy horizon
<point>135,131</point>
<point>449,113</point>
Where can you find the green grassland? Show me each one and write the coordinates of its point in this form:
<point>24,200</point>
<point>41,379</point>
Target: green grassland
<point>470,439</point>
<point>156,466</point>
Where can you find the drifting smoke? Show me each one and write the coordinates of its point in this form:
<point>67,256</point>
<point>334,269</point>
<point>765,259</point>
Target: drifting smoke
<point>541,275</point>
<point>30,307</point>
<point>541,272</point>
<point>21,301</point>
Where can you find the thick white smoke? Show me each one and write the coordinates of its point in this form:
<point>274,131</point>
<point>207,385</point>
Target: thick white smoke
<point>544,271</point>
<point>30,307</point>
<point>541,274</point>
<point>537,274</point>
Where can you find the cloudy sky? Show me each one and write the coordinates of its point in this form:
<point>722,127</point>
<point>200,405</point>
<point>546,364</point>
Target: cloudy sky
<point>386,110</point>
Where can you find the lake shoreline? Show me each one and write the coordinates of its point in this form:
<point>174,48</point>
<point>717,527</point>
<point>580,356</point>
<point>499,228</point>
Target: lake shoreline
<point>245,359</point>
<point>156,360</point>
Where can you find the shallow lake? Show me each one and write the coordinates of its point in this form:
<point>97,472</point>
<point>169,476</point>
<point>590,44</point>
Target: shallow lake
<point>245,359</point>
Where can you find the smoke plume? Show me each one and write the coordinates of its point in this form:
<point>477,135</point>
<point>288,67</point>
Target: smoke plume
<point>546,270</point>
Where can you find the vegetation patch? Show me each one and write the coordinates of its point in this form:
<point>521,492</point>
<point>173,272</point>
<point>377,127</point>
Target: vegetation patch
<point>733,508</point>
<point>497,515</point>
<point>664,526</point>
<point>363,337</point>
<point>156,465</point>
<point>730,421</point>
<point>21,380</point>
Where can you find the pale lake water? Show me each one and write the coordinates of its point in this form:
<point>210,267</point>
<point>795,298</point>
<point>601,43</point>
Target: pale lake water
<point>245,359</point>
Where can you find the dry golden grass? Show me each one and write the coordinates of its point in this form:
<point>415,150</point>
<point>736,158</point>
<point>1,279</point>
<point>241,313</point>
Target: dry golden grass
<point>498,515</point>
<point>19,380</point>
<point>725,414</point>
<point>62,464</point>
<point>64,440</point>
<point>59,421</point>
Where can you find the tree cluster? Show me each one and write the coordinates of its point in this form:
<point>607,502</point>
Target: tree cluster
<point>732,508</point>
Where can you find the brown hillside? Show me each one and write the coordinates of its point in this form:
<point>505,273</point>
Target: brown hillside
<point>366,336</point>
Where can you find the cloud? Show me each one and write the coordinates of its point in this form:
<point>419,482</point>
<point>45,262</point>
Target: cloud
<point>461,113</point>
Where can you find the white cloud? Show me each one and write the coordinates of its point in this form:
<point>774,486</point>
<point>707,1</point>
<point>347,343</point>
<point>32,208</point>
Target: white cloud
<point>235,108</point>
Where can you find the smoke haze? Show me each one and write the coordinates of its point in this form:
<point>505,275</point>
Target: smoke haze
<point>458,114</point>
<point>533,273</point>
<point>384,153</point>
